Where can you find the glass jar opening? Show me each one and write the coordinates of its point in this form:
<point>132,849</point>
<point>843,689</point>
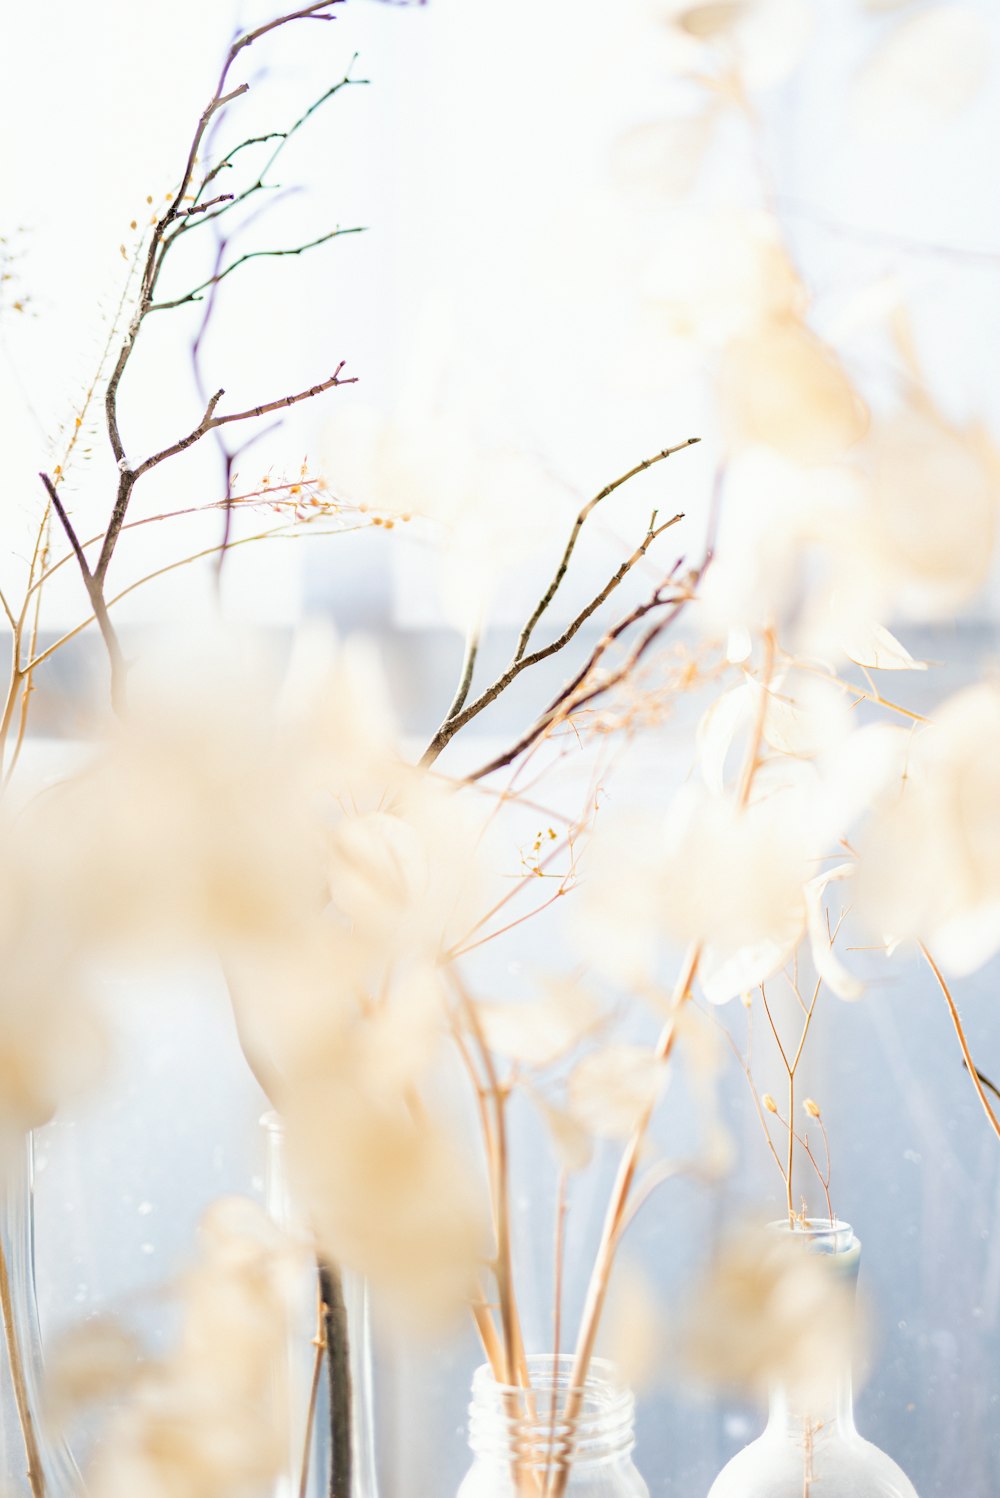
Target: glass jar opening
<point>534,1424</point>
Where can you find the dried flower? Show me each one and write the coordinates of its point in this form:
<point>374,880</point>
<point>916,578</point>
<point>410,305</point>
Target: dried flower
<point>771,1311</point>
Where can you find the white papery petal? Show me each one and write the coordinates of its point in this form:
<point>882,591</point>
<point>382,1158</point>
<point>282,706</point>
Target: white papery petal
<point>828,965</point>
<point>874,647</point>
<point>928,68</point>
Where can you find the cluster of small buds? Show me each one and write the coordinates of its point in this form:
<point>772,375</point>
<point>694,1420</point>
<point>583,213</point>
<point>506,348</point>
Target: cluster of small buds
<point>549,834</point>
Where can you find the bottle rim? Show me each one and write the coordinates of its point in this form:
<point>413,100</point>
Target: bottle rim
<point>510,1422</point>
<point>828,1235</point>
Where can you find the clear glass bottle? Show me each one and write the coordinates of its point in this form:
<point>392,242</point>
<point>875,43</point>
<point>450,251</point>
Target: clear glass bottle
<point>309,1393</point>
<point>518,1437</point>
<point>32,1462</point>
<point>815,1452</point>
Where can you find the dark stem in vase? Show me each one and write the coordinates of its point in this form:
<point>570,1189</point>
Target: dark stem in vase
<point>339,1378</point>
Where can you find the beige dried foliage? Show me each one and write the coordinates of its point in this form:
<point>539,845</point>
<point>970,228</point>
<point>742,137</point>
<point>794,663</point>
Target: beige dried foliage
<point>193,822</point>
<point>210,1419</point>
<point>784,388</point>
<point>722,274</point>
<point>930,524</point>
<point>805,717</point>
<point>386,1189</point>
<point>92,1362</point>
<point>930,855</point>
<point>876,648</point>
<point>413,877</point>
<point>53,1044</point>
<point>771,1312</point>
<point>635,1332</point>
<point>490,508</point>
<point>662,158</point>
<point>787,554</point>
<point>612,1089</point>
<point>572,1143</point>
<point>734,883</point>
<point>762,39</point>
<point>541,1031</point>
<point>615,921</point>
<point>928,68</point>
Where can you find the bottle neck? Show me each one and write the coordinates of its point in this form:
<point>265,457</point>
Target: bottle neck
<point>33,1460</point>
<point>528,1428</point>
<point>827,1406</point>
<point>822,1411</point>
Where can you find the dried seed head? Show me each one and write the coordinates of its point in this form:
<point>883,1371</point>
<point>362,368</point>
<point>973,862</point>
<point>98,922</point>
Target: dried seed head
<point>769,1103</point>
<point>811,1107</point>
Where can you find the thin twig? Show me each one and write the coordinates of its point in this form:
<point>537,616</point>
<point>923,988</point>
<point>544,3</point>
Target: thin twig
<point>956,1021</point>
<point>465,679</point>
<point>194,295</point>
<point>600,1278</point>
<point>451,726</point>
<point>574,536</point>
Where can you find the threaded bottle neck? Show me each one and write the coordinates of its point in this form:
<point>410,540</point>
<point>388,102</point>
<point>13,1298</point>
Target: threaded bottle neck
<point>529,1426</point>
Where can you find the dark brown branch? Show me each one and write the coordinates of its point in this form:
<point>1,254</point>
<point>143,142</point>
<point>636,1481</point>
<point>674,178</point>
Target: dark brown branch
<point>465,679</point>
<point>224,197</point>
<point>574,536</point>
<point>521,663</point>
<point>339,1378</point>
<point>565,704</point>
<point>160,242</point>
<point>95,593</point>
<point>205,425</point>
<point>285,400</point>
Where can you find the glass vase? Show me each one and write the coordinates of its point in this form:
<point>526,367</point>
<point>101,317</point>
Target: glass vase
<point>815,1452</point>
<point>520,1439</point>
<point>33,1464</point>
<point>331,1439</point>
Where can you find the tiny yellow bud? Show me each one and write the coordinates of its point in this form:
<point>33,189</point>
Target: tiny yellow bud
<point>769,1103</point>
<point>811,1107</point>
<point>149,198</point>
<point>133,225</point>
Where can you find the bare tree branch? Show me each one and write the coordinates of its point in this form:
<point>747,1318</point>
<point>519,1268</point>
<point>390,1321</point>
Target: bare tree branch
<point>195,294</point>
<point>574,536</point>
<point>521,663</point>
<point>97,602</point>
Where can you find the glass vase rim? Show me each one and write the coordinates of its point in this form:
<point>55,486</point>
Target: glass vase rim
<point>833,1230</point>
<point>602,1374</point>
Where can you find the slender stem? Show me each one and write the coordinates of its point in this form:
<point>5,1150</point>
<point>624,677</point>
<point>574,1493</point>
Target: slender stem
<point>956,1021</point>
<point>574,536</point>
<point>339,1368</point>
<point>319,1342</point>
<point>36,1477</point>
<point>465,679</point>
<point>600,1278</point>
<point>559,1251</point>
<point>488,1336</point>
<point>753,757</point>
<point>791,1145</point>
<point>520,663</point>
